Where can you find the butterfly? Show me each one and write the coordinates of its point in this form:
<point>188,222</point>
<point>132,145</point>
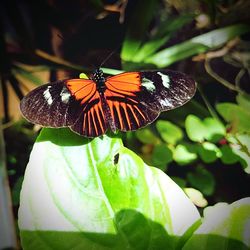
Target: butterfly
<point>125,102</point>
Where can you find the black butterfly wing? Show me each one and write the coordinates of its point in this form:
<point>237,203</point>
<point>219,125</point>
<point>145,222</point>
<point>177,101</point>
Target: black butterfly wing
<point>136,99</point>
<point>166,89</point>
<point>51,105</point>
<point>71,103</point>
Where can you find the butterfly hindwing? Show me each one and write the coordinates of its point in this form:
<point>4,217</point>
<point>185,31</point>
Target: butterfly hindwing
<point>91,122</point>
<point>123,99</point>
<point>51,105</point>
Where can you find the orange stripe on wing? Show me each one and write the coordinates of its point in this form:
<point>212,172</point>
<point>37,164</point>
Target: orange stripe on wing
<point>84,122</point>
<point>120,118</point>
<point>89,124</point>
<point>135,117</point>
<point>126,114</point>
<point>137,108</point>
<point>97,110</point>
<point>92,111</point>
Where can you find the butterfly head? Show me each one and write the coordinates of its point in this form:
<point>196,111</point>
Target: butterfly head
<point>97,76</point>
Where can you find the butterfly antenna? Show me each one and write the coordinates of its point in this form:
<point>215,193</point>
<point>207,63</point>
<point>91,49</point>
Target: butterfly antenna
<point>107,58</point>
<point>60,36</point>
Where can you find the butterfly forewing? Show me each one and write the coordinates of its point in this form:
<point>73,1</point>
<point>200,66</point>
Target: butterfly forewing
<point>51,105</point>
<point>165,90</point>
<point>137,98</point>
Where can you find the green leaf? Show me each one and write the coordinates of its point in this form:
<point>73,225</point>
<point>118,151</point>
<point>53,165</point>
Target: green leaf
<point>236,115</point>
<point>203,180</point>
<point>110,71</point>
<point>30,76</point>
<point>97,3</point>
<point>243,101</point>
<point>196,130</point>
<point>145,135</point>
<point>162,155</point>
<point>197,45</point>
<point>179,181</point>
<point>169,132</point>
<point>83,76</point>
<point>215,129</point>
<point>185,154</point>
<point>142,15</point>
<point>16,191</point>
<point>228,156</point>
<point>97,194</point>
<point>209,152</point>
<point>165,31</point>
<point>196,197</point>
<point>240,144</point>
<point>224,227</point>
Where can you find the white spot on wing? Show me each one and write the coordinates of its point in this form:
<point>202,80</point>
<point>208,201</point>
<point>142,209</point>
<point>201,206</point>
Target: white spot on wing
<point>165,80</point>
<point>65,95</point>
<point>165,103</point>
<point>148,84</point>
<point>48,96</point>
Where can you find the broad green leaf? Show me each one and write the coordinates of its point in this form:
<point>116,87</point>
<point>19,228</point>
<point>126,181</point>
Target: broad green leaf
<point>215,129</point>
<point>195,128</point>
<point>145,135</point>
<point>96,194</point>
<point>236,115</point>
<point>202,179</point>
<point>196,45</point>
<point>225,226</point>
<point>209,152</point>
<point>169,132</point>
<point>185,154</point>
<point>227,155</point>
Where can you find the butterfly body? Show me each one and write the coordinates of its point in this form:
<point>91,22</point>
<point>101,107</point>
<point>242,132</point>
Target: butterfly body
<point>99,80</point>
<point>125,102</point>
